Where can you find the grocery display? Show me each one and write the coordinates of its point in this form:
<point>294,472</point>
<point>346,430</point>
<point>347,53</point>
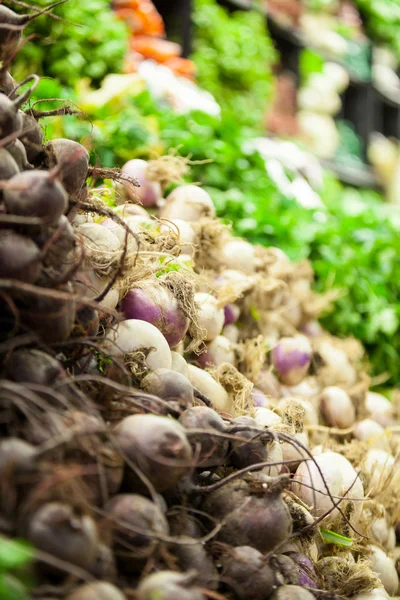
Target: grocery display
<point>177,421</point>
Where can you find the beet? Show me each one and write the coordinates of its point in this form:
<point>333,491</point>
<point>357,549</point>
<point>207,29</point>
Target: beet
<point>8,166</point>
<point>56,529</point>
<point>16,455</point>
<point>168,585</point>
<point>129,515</point>
<point>156,445</point>
<point>36,194</point>
<point>31,136</point>
<point>262,521</point>
<point>213,449</point>
<point>254,451</point>
<point>19,257</point>
<point>73,159</point>
<point>18,152</point>
<point>33,366</point>
<point>247,573</point>
<point>170,386</point>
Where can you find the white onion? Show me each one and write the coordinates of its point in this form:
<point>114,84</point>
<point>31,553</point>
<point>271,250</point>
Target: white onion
<point>189,203</point>
<point>379,408</point>
<point>179,364</point>
<point>132,335</point>
<point>337,408</point>
<point>210,316</point>
<point>385,568</point>
<point>238,254</point>
<point>214,391</point>
<point>339,475</point>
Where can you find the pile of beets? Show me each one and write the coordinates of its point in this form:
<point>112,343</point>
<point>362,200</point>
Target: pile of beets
<point>175,424</point>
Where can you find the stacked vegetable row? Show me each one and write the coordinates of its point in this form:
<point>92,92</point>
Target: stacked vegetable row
<point>175,423</point>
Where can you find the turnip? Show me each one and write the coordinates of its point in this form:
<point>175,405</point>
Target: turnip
<point>16,457</point>
<point>134,335</point>
<point>260,400</point>
<point>307,576</point>
<point>238,254</point>
<point>293,453</point>
<point>231,333</point>
<point>232,313</point>
<point>170,386</point>
<point>156,446</point>
<point>179,364</point>
<point>247,573</point>
<point>157,305</point>
<point>268,383</point>
<point>219,352</point>
<point>312,329</point>
<point>297,409</point>
<point>309,388</point>
<point>384,567</point>
<point>73,159</point>
<point>264,417</point>
<point>379,408</point>
<point>168,585</point>
<point>260,521</point>
<point>97,590</point>
<point>368,430</point>
<point>19,257</point>
<point>381,468</point>
<point>213,390</point>
<point>211,317</point>
<point>36,194</point>
<point>99,238</point>
<point>339,475</point>
<point>56,529</point>
<point>338,368</point>
<point>376,594</point>
<point>115,228</point>
<point>189,203</point>
<point>149,192</point>
<point>126,210</point>
<point>136,522</point>
<point>212,449</point>
<point>186,233</point>
<point>291,592</point>
<point>337,408</point>
<point>291,358</point>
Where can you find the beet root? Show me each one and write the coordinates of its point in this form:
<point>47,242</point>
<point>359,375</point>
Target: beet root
<point>169,385</point>
<point>36,194</point>
<point>8,166</point>
<point>31,137</point>
<point>73,159</point>
<point>18,152</point>
<point>243,454</point>
<point>135,521</point>
<point>213,449</point>
<point>56,529</point>
<point>19,257</point>
<point>157,446</point>
<point>33,366</point>
<point>262,521</point>
<point>247,573</point>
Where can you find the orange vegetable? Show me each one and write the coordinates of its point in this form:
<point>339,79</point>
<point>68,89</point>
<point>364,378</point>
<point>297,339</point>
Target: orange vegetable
<point>156,49</point>
<point>141,17</point>
<point>182,66</point>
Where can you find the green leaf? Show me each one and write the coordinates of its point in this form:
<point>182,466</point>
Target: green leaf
<point>330,537</point>
<point>14,553</point>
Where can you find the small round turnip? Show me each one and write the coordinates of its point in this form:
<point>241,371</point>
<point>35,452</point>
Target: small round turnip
<point>291,592</point>
<point>97,590</point>
<point>168,585</point>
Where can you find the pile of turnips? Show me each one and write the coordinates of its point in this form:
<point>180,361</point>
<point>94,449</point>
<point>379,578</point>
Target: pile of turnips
<point>175,424</point>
